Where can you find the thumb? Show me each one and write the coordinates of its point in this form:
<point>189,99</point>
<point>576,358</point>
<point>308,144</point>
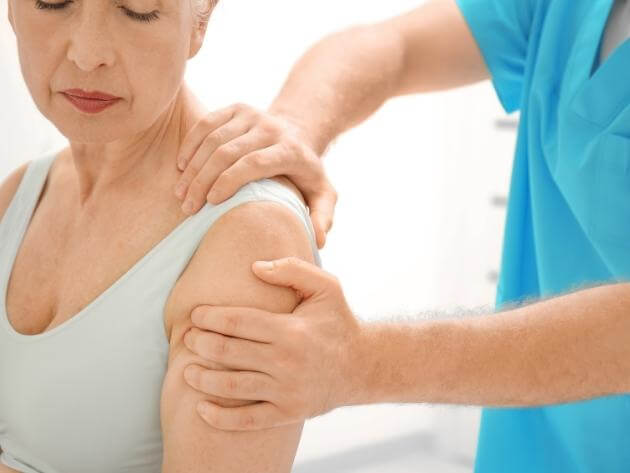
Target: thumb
<point>299,275</point>
<point>322,210</point>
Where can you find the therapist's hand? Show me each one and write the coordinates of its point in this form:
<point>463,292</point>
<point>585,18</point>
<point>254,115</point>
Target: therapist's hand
<point>233,146</point>
<point>298,365</point>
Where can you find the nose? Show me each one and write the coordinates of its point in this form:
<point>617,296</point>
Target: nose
<point>90,44</point>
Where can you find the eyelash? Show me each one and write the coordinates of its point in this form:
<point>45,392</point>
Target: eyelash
<point>144,17</point>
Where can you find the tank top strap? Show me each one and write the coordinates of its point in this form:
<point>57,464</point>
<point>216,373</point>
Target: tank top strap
<point>170,257</point>
<point>15,221</point>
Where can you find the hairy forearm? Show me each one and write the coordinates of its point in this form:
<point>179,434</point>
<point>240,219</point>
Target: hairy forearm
<point>570,348</point>
<point>347,76</point>
<point>341,81</point>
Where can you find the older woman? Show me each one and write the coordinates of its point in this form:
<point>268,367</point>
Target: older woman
<point>99,268</point>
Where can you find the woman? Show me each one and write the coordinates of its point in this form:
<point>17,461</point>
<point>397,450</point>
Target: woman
<point>99,269</point>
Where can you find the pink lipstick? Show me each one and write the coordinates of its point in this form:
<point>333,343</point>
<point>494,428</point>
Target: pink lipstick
<point>90,102</point>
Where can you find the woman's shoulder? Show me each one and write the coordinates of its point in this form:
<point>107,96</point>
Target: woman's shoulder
<point>9,187</point>
<point>286,182</point>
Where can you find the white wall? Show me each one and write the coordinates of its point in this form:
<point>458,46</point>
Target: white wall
<point>414,227</point>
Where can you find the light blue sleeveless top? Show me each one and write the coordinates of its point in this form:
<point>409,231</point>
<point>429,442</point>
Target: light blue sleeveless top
<point>84,397</point>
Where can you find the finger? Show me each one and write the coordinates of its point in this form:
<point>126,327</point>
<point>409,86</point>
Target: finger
<point>322,209</point>
<point>241,322</point>
<point>259,416</point>
<point>199,132</point>
<point>267,162</point>
<point>239,385</point>
<point>301,276</point>
<point>223,158</point>
<point>222,135</point>
<point>233,353</point>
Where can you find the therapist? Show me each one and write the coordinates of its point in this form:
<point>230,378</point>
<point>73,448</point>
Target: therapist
<point>562,335</point>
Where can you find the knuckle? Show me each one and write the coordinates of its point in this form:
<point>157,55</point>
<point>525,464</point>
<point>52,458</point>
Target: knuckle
<point>231,384</point>
<point>224,180</point>
<point>195,187</point>
<point>299,328</point>
<point>285,147</point>
<point>223,347</point>
<point>216,137</point>
<point>194,166</point>
<point>268,126</point>
<point>232,323</point>
<point>207,121</point>
<point>293,147</point>
<point>224,154</point>
<point>252,160</point>
<point>219,348</point>
<point>240,106</point>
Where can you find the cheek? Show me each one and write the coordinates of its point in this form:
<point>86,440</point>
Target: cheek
<point>39,51</point>
<point>155,64</point>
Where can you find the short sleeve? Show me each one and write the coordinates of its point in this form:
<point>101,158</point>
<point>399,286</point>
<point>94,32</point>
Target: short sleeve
<point>502,29</point>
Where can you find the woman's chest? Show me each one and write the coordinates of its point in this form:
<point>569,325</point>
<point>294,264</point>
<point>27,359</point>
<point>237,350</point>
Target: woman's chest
<point>61,268</point>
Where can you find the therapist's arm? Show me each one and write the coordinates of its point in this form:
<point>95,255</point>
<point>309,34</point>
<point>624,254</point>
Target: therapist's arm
<point>337,84</point>
<point>568,348</point>
<point>347,76</point>
<point>219,273</point>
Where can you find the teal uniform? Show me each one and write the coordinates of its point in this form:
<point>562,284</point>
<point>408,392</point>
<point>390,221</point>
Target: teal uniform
<point>568,221</point>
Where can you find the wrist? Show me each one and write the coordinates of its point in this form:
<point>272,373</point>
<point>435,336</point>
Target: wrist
<point>361,383</point>
<point>309,133</point>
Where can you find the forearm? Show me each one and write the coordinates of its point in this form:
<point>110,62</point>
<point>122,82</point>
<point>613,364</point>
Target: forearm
<point>347,76</point>
<point>569,348</point>
<point>340,82</point>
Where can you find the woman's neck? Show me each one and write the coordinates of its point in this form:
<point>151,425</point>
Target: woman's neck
<point>127,163</point>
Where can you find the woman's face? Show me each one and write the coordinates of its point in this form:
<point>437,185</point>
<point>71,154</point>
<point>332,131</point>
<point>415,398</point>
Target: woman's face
<point>132,49</point>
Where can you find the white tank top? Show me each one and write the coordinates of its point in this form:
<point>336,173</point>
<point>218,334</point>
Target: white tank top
<point>84,397</point>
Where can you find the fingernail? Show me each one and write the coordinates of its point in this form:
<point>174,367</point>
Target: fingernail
<point>264,265</point>
<point>180,189</point>
<point>188,206</point>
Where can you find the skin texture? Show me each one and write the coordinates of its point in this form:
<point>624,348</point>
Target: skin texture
<point>114,180</point>
<point>567,348</point>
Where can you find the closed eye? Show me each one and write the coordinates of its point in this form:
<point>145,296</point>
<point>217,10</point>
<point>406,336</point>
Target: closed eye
<point>144,17</point>
<point>51,6</point>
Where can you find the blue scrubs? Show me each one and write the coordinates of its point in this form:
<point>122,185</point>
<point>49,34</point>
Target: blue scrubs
<point>568,222</point>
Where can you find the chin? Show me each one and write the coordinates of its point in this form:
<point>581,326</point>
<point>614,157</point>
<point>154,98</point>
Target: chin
<point>79,131</point>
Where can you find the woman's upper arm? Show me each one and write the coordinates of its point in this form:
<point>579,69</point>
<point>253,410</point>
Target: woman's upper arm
<point>220,274</point>
<point>9,186</point>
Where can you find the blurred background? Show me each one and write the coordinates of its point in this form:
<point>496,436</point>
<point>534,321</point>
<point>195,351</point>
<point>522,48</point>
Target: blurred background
<point>419,224</point>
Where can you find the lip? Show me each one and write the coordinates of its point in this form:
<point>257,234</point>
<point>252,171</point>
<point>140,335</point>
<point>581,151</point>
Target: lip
<point>90,102</point>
